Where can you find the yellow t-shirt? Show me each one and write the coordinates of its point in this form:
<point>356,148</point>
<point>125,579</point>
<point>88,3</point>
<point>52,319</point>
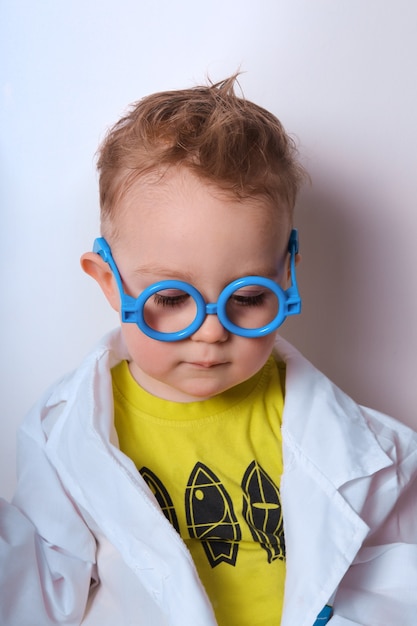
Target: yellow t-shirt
<point>215,468</point>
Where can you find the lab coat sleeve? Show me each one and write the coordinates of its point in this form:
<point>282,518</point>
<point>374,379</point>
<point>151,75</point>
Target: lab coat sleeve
<point>381,591</point>
<point>47,553</point>
<point>380,587</point>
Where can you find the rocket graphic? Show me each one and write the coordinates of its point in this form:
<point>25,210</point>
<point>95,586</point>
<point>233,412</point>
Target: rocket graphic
<point>162,496</point>
<point>262,511</point>
<point>210,516</point>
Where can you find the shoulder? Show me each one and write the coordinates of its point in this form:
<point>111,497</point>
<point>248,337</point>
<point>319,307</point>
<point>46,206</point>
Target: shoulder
<point>307,386</point>
<point>75,387</point>
<point>323,422</point>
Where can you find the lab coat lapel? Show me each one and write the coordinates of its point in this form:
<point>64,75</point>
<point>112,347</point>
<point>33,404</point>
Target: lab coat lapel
<point>326,444</point>
<point>109,490</point>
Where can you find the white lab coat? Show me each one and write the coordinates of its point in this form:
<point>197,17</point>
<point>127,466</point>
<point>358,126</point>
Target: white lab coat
<point>83,513</point>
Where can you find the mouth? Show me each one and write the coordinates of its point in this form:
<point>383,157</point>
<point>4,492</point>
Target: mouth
<point>206,365</point>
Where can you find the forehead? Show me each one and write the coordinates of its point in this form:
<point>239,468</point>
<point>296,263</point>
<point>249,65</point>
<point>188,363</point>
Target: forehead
<point>177,212</point>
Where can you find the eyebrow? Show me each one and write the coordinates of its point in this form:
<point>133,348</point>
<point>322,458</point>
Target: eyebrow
<point>164,272</point>
<point>186,276</point>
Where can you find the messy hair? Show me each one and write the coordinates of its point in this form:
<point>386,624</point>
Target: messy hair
<point>222,138</point>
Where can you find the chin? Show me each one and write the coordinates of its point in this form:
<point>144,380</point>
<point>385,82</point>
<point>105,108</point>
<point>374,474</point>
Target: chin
<point>198,393</point>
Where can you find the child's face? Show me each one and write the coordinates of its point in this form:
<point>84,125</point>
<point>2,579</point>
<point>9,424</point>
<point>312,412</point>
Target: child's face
<point>180,227</point>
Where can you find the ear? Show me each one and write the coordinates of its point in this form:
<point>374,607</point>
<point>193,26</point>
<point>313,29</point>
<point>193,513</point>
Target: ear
<point>94,266</point>
<point>297,261</point>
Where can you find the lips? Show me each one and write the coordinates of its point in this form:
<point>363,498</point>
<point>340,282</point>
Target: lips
<point>206,364</point>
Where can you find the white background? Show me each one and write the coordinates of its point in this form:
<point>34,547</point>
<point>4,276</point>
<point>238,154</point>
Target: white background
<point>340,74</point>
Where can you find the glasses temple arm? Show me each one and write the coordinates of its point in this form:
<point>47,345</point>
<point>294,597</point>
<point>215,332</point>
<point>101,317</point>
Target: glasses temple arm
<point>102,248</point>
<point>293,295</point>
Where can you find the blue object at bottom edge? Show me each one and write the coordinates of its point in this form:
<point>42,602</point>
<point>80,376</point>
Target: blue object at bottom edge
<point>324,616</point>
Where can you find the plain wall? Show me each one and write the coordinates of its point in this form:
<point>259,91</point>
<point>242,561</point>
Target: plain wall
<point>340,74</point>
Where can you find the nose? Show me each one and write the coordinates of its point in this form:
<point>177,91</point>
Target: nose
<point>211,331</point>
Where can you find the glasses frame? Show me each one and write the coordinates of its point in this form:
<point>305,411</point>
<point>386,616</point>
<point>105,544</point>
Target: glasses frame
<point>132,308</point>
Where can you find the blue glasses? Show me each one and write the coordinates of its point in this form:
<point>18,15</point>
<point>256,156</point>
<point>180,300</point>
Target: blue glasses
<point>172,310</point>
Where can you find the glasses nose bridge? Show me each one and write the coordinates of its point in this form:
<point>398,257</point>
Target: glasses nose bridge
<point>210,329</point>
<point>211,308</point>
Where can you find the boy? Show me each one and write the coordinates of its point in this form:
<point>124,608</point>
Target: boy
<point>164,483</point>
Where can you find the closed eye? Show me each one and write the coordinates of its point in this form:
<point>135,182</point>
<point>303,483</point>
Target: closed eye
<point>249,300</point>
<point>164,300</point>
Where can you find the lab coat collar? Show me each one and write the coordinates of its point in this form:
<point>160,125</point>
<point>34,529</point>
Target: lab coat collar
<point>345,448</point>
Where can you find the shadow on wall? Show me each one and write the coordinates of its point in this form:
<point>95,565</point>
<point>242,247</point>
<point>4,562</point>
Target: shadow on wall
<point>352,282</point>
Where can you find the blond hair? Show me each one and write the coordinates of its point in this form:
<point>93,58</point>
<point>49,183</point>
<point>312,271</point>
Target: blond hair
<point>223,138</point>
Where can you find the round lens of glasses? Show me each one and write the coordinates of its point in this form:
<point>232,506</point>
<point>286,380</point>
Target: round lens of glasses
<point>252,306</point>
<point>170,310</point>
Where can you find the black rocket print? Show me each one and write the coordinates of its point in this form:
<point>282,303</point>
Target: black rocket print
<point>262,511</point>
<point>162,496</point>
<point>210,516</point>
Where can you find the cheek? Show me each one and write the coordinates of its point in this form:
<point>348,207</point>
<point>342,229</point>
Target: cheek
<point>254,353</point>
<point>146,353</point>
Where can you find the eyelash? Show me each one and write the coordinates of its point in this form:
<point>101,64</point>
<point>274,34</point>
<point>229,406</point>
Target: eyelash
<point>170,301</point>
<point>257,300</point>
